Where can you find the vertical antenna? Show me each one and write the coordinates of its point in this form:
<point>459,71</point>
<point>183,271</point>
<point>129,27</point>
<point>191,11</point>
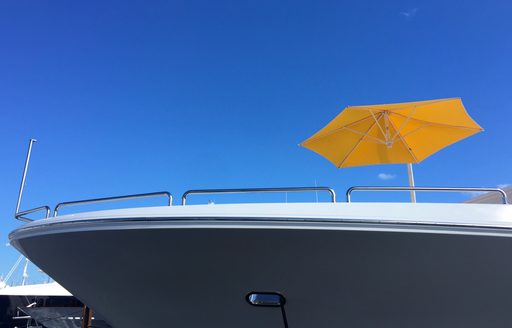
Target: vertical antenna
<point>30,143</point>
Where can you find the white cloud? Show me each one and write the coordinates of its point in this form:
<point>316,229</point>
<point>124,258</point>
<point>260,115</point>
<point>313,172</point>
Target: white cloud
<point>409,14</point>
<point>473,194</point>
<point>386,176</point>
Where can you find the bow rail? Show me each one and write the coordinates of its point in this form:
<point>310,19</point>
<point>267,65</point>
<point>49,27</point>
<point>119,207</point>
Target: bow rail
<point>112,199</point>
<point>257,190</point>
<point>21,215</point>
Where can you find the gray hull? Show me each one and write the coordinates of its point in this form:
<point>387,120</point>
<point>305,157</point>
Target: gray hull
<point>197,273</point>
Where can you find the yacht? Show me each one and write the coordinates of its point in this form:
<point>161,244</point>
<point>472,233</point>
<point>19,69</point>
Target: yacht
<point>330,264</point>
<point>298,265</point>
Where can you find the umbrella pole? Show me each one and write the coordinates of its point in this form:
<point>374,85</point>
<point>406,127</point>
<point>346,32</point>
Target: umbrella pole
<point>411,182</point>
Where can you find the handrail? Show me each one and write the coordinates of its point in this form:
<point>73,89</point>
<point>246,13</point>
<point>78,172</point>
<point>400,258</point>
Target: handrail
<point>24,176</point>
<point>439,189</point>
<point>257,190</point>
<point>115,198</point>
<point>19,215</point>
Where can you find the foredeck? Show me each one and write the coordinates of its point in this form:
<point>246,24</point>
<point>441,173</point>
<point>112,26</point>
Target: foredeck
<point>21,215</point>
<point>422,217</point>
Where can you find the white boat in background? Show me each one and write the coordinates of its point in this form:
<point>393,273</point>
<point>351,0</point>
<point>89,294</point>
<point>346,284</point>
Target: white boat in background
<point>42,305</point>
<point>50,289</point>
<point>14,299</point>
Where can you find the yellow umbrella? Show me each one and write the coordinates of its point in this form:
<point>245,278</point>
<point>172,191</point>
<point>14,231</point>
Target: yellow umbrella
<point>392,133</point>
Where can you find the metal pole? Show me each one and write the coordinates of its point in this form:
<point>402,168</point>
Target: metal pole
<point>25,273</point>
<point>31,141</point>
<point>86,317</point>
<point>411,182</point>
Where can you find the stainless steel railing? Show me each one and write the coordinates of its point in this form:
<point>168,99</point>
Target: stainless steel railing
<point>20,215</point>
<point>257,190</point>
<point>110,199</point>
<point>435,189</point>
<point>168,195</point>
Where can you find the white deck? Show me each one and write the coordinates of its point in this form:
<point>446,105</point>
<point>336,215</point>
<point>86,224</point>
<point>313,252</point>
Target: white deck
<point>50,289</point>
<point>480,215</point>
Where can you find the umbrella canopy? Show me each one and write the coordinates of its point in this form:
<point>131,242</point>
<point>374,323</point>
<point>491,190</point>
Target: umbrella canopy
<point>392,133</point>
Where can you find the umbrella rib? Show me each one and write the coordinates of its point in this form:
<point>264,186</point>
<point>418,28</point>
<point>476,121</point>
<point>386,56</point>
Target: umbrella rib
<point>377,122</point>
<point>403,123</point>
<point>426,103</point>
<point>340,128</point>
<point>440,124</point>
<point>415,130</point>
<point>426,124</point>
<point>377,140</point>
<point>406,144</point>
<point>357,144</point>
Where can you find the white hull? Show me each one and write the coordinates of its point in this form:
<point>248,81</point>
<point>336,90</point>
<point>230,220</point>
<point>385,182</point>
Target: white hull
<point>337,265</point>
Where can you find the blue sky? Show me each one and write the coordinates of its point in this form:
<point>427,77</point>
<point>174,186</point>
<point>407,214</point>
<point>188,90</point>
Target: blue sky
<point>129,97</point>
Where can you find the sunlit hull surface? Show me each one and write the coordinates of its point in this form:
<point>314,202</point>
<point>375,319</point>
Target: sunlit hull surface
<point>348,265</point>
